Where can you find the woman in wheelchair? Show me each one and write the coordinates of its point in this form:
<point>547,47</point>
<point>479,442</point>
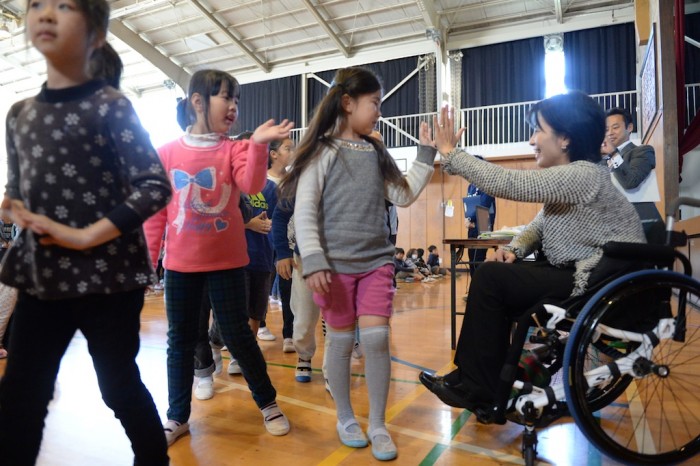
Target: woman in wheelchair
<point>582,212</point>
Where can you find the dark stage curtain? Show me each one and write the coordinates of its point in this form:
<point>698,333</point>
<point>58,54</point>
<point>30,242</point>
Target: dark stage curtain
<point>601,60</point>
<point>277,99</point>
<point>403,102</point>
<point>692,53</point>
<point>280,98</point>
<point>503,73</point>
<point>688,136</point>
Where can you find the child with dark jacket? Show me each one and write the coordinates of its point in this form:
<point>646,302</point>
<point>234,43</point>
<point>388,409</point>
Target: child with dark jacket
<point>403,270</point>
<point>433,262</point>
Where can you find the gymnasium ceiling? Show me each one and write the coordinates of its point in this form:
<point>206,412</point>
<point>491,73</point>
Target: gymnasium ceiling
<point>165,41</point>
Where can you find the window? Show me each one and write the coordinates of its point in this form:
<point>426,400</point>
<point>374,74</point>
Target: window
<point>554,65</point>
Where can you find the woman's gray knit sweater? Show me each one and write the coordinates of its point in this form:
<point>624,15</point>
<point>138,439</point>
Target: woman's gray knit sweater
<point>582,209</point>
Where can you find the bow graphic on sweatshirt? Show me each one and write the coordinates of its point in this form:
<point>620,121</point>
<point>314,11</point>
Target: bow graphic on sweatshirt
<point>183,182</point>
<point>204,179</point>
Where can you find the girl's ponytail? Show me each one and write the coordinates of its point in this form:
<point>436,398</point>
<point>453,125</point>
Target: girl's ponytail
<point>106,64</point>
<point>182,116</point>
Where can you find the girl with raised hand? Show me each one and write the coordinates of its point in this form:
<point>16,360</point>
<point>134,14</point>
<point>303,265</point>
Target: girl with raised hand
<point>205,241</point>
<point>342,177</point>
<point>82,178</point>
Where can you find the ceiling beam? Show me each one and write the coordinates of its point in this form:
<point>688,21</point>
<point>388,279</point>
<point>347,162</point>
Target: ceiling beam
<point>262,65</point>
<point>430,16</point>
<point>150,53</point>
<point>20,67</point>
<point>472,35</point>
<point>121,8</point>
<point>558,11</point>
<point>326,27</point>
<point>476,6</point>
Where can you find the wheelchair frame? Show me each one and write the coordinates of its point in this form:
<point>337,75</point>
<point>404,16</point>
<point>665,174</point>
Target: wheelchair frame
<point>538,406</point>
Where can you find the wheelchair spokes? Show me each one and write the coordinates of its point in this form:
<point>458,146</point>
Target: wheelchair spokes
<point>637,400</point>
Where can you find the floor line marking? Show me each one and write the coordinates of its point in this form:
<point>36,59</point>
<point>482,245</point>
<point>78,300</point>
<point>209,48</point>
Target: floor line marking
<point>343,452</point>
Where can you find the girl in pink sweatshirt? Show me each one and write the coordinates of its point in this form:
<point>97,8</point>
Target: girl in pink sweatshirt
<point>204,241</point>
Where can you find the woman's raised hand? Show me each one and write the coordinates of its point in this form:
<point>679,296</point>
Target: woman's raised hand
<point>443,130</point>
<point>269,131</point>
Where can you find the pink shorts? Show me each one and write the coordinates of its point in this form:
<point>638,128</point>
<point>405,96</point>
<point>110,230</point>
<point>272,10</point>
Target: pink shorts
<point>353,295</point>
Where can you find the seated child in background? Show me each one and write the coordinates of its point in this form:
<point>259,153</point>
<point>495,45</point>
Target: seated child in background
<point>434,261</point>
<point>412,261</point>
<point>423,267</point>
<point>404,271</point>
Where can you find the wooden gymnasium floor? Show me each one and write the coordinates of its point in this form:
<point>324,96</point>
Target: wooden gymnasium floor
<point>228,429</point>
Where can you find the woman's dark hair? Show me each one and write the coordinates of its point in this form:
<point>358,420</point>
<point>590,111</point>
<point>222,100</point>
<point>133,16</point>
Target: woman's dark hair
<point>354,82</point>
<point>576,116</point>
<point>206,83</point>
<point>104,62</point>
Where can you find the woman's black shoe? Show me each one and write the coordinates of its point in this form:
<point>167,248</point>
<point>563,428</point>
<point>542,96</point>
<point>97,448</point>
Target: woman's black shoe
<point>458,397</point>
<point>428,379</point>
<point>454,396</point>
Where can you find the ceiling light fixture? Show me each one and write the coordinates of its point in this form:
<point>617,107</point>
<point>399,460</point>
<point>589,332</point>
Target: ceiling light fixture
<point>7,27</point>
<point>9,22</point>
<point>4,31</point>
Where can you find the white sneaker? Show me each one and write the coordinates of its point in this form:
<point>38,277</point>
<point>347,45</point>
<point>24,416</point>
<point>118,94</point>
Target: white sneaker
<point>173,430</point>
<point>303,371</point>
<point>275,300</point>
<point>265,334</point>
<point>205,388</point>
<point>275,421</point>
<point>288,346</point>
<point>234,368</point>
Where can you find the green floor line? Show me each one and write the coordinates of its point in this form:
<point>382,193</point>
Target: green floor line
<point>438,449</point>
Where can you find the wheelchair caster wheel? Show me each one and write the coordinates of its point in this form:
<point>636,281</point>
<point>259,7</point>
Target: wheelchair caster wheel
<point>529,456</point>
<point>529,446</point>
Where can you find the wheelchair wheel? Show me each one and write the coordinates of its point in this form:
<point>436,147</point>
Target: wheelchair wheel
<point>634,402</point>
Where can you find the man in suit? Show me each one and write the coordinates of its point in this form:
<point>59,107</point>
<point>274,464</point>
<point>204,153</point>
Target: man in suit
<point>632,172</point>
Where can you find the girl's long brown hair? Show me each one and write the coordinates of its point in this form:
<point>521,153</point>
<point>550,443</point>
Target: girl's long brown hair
<point>328,116</point>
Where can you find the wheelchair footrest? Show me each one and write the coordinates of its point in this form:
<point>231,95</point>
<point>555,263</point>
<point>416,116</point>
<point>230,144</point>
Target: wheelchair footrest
<point>548,416</point>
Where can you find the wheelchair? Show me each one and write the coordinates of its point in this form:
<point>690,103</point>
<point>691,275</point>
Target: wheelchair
<point>624,358</point>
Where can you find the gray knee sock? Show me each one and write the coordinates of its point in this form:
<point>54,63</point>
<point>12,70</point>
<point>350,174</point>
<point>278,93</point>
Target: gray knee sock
<point>375,341</point>
<point>338,371</point>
